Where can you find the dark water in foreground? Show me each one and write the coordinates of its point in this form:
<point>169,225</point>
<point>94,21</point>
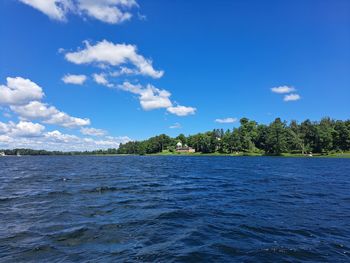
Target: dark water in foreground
<point>174,209</point>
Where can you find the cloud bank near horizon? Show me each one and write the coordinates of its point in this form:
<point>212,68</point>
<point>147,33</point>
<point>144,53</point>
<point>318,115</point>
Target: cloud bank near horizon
<point>23,98</point>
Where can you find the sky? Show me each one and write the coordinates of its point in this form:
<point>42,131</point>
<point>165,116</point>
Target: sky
<point>88,74</point>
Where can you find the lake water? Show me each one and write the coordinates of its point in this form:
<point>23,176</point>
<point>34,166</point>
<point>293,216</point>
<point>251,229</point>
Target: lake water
<point>174,209</point>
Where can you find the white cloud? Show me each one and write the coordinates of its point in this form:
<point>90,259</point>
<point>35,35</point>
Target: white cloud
<point>32,135</point>
<point>292,97</point>
<point>21,129</point>
<point>93,132</point>
<point>19,91</point>
<point>106,53</point>
<point>282,89</point>
<point>5,139</point>
<point>36,110</point>
<point>4,128</point>
<point>182,110</point>
<point>153,98</point>
<point>74,79</point>
<point>175,126</point>
<point>150,97</point>
<point>55,9</point>
<point>226,120</point>
<point>27,129</point>
<point>108,11</point>
<point>101,79</point>
<point>22,97</point>
<point>55,140</point>
<point>64,120</point>
<point>124,71</point>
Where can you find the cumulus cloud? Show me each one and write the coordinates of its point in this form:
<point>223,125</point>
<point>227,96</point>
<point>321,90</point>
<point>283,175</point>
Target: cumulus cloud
<point>19,91</point>
<point>74,79</point>
<point>106,53</point>
<point>22,97</point>
<point>93,132</point>
<point>108,11</point>
<point>36,110</point>
<point>181,110</point>
<point>60,141</point>
<point>150,97</point>
<point>226,120</point>
<point>292,97</point>
<point>31,135</point>
<point>282,89</point>
<point>21,129</point>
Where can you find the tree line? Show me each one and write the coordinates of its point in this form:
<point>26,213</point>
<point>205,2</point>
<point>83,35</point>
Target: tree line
<point>24,151</point>
<point>278,137</point>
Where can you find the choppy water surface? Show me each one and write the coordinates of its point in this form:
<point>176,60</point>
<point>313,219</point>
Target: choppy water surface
<point>174,209</point>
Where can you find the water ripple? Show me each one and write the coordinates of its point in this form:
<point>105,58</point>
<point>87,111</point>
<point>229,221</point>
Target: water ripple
<point>174,209</point>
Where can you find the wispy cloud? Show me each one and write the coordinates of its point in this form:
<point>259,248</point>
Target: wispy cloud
<point>226,120</point>
<point>287,91</point>
<point>292,97</point>
<point>108,11</point>
<point>282,89</point>
<point>175,126</point>
<point>102,80</point>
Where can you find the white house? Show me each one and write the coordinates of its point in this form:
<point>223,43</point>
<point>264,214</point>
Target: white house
<point>184,148</point>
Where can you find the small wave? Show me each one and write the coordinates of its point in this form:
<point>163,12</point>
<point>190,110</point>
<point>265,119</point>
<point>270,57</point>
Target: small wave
<point>294,253</point>
<point>101,189</point>
<point>264,230</point>
<point>6,199</point>
<point>227,249</point>
<point>176,214</point>
<point>72,236</point>
<point>58,193</point>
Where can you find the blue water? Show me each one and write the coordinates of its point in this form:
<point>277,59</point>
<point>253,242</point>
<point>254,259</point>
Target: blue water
<point>174,209</point>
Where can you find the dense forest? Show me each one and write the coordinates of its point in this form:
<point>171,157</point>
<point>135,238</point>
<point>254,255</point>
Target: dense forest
<point>276,138</point>
<point>324,137</point>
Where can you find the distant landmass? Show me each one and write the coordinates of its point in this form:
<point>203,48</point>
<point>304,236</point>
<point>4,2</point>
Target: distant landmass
<point>326,137</point>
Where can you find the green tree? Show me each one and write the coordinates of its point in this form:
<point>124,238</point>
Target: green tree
<point>276,137</point>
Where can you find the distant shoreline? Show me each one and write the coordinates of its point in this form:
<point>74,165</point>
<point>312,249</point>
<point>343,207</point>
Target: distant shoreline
<point>287,155</point>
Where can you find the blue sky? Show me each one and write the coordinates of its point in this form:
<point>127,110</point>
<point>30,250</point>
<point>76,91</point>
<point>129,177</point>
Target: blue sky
<point>220,61</point>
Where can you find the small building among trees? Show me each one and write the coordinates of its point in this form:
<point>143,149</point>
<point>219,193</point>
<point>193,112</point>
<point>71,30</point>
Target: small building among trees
<point>184,148</point>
